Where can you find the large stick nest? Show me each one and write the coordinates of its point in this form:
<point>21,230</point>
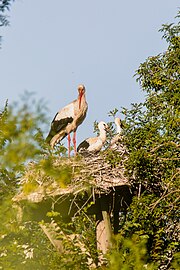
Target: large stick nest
<point>65,176</point>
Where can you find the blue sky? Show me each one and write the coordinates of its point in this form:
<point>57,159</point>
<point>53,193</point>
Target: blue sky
<point>52,46</point>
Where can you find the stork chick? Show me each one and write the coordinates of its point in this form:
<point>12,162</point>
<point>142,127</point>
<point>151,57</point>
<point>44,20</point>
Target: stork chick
<point>94,144</point>
<point>117,137</point>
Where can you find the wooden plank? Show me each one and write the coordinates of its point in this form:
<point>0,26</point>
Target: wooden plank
<point>104,233</point>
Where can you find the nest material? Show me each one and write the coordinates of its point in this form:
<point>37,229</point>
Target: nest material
<point>94,171</point>
<point>103,173</point>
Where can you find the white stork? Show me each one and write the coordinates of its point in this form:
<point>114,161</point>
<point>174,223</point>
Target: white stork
<point>117,137</point>
<point>94,144</point>
<point>68,119</point>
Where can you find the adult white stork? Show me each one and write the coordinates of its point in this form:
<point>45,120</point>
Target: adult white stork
<point>68,119</point>
<point>118,136</point>
<point>94,144</point>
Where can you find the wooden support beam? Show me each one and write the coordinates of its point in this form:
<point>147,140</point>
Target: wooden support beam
<point>51,234</point>
<point>108,229</point>
<point>103,229</point>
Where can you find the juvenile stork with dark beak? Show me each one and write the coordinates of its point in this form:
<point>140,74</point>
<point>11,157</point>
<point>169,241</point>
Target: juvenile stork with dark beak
<point>68,119</point>
<point>118,137</point>
<point>94,144</point>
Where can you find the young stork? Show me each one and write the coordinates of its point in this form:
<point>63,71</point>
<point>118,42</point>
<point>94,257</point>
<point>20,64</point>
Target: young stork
<point>94,145</point>
<point>68,119</point>
<point>117,137</point>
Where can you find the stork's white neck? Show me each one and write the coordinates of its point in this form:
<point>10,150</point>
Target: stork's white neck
<point>119,129</point>
<point>102,135</point>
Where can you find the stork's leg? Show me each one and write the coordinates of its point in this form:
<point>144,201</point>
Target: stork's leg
<point>69,145</point>
<point>74,142</point>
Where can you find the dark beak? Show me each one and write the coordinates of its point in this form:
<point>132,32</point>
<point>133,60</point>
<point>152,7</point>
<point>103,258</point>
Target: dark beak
<point>107,128</point>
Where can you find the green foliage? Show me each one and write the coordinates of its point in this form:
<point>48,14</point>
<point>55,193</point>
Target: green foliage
<point>79,243</point>
<point>61,173</point>
<point>4,6</point>
<point>22,244</point>
<point>130,253</point>
<point>171,30</point>
<point>21,138</point>
<point>152,137</point>
<point>28,248</point>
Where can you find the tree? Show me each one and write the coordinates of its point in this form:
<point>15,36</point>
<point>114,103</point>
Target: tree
<point>20,138</point>
<point>152,137</point>
<point>4,6</point>
<point>23,245</point>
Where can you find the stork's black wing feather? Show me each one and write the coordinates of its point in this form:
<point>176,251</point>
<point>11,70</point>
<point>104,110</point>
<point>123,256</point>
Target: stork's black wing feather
<point>83,146</point>
<point>57,126</point>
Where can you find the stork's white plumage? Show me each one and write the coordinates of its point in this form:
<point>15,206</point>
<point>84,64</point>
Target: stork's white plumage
<point>68,119</point>
<point>117,137</point>
<point>94,144</point>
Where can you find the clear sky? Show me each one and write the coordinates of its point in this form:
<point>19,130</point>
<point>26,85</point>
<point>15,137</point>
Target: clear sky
<point>52,46</point>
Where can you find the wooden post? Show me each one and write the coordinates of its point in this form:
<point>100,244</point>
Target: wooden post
<point>108,229</point>
<point>103,229</point>
<point>51,234</point>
